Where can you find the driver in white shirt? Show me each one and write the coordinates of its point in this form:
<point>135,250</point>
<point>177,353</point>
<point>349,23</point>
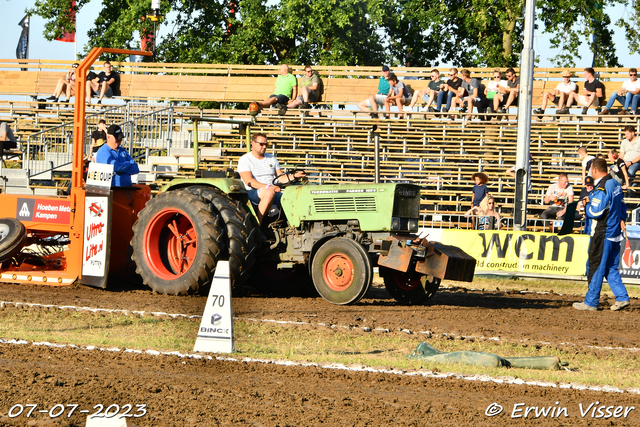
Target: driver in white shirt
<point>258,170</point>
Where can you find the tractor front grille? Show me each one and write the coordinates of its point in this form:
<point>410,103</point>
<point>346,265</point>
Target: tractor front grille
<point>345,204</point>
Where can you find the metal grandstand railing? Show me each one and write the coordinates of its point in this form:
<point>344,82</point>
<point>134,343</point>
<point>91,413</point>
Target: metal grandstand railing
<point>148,134</point>
<point>457,220</point>
<point>146,128</point>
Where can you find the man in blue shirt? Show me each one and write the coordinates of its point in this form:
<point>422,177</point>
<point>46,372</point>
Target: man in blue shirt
<point>606,213</point>
<point>112,153</point>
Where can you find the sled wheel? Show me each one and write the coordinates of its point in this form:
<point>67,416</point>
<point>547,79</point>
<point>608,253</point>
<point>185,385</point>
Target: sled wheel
<point>341,271</point>
<point>12,237</point>
<point>409,288</point>
<point>175,244</point>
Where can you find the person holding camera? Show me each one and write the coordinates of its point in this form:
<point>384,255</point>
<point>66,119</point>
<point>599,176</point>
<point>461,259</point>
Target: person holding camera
<point>558,195</point>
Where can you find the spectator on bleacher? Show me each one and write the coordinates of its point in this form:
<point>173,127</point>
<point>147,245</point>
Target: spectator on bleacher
<point>398,95</point>
<point>480,189</point>
<point>586,160</point>
<point>491,90</point>
<point>433,91</point>
<point>67,84</point>
<point>627,95</point>
<point>591,94</point>
<point>258,169</point>
<point>309,89</point>
<point>108,84</point>
<point>558,195</point>
<point>560,94</point>
<point>488,217</point>
<point>507,96</point>
<point>98,137</point>
<point>286,89</point>
<point>474,96</point>
<point>7,139</point>
<point>454,89</point>
<point>618,169</point>
<point>630,150</point>
<point>112,153</point>
<point>371,104</point>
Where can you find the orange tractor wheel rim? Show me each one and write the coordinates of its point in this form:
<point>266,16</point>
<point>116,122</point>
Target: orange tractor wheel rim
<point>338,272</point>
<point>170,243</point>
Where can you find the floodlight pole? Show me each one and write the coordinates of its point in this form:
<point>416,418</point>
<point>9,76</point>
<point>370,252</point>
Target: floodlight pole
<point>524,119</point>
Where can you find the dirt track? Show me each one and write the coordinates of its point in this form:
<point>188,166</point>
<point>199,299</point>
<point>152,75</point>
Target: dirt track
<point>189,392</point>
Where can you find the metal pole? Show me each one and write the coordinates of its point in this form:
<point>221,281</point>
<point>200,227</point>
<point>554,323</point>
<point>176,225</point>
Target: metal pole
<point>196,159</point>
<point>376,139</point>
<point>524,120</point>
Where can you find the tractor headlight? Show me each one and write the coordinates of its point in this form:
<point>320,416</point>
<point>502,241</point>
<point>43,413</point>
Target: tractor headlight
<point>413,225</point>
<point>395,223</point>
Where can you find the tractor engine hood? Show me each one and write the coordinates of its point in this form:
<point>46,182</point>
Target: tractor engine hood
<point>377,207</point>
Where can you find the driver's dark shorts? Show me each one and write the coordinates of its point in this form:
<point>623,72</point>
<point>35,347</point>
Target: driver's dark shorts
<point>282,99</point>
<point>255,199</point>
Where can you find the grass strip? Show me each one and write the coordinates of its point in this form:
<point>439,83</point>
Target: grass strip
<point>618,368</point>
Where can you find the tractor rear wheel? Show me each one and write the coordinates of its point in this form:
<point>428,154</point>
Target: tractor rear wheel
<point>175,243</point>
<point>12,237</point>
<point>409,288</point>
<point>238,240</point>
<point>341,271</point>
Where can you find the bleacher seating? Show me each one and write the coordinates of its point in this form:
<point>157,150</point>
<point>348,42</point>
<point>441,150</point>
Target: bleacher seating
<point>428,149</point>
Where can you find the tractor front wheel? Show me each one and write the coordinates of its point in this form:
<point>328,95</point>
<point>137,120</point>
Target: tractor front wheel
<point>409,288</point>
<point>341,271</point>
<point>175,243</point>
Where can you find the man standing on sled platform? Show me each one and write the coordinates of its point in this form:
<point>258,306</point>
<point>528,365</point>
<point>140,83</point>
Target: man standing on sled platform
<point>606,211</point>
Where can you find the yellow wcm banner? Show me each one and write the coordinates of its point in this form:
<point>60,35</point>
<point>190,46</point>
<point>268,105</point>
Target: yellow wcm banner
<point>519,251</point>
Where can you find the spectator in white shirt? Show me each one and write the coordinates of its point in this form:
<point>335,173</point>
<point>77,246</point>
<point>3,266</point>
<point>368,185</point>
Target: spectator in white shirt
<point>559,95</point>
<point>628,95</point>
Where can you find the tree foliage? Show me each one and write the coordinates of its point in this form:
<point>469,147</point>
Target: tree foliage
<point>349,32</point>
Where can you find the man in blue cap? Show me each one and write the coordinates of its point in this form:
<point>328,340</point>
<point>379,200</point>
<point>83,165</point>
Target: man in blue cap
<point>112,153</point>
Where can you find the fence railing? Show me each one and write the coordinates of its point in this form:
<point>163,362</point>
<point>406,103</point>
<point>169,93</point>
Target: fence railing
<point>481,222</point>
<point>52,149</point>
<point>149,134</point>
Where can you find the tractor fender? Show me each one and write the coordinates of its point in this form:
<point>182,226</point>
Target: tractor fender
<point>228,186</point>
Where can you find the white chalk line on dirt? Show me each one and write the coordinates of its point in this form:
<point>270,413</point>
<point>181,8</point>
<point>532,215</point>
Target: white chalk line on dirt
<point>427,334</point>
<point>340,366</point>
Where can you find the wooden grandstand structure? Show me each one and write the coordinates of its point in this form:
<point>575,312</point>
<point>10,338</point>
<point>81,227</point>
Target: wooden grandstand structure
<point>426,149</point>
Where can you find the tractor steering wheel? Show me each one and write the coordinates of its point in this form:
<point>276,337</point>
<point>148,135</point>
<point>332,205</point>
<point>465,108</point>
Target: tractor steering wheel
<point>292,172</point>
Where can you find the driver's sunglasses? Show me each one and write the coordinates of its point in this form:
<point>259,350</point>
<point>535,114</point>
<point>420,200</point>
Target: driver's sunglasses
<point>262,143</point>
<point>74,66</point>
<point>633,74</point>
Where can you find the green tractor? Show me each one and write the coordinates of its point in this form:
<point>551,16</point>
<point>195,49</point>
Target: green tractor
<point>335,234</point>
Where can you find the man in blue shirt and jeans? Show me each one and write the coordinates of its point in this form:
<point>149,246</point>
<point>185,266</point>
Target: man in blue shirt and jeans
<point>606,213</point>
<point>112,153</point>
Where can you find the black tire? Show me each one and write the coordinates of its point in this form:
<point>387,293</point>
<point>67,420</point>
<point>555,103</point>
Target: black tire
<point>341,271</point>
<point>164,232</point>
<point>238,240</point>
<point>12,237</point>
<point>407,288</point>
